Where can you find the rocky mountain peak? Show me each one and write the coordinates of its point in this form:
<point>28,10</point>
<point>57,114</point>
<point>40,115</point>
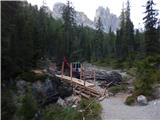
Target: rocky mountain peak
<point>108,19</point>
<point>57,10</point>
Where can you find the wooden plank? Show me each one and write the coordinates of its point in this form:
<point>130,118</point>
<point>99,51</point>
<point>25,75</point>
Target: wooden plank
<point>89,92</point>
<point>94,76</point>
<point>83,94</point>
<point>78,81</point>
<point>88,89</point>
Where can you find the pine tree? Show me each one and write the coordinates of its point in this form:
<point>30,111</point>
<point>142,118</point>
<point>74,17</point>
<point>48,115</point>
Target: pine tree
<point>111,43</point>
<point>125,40</point>
<point>151,35</point>
<point>120,43</point>
<point>129,31</point>
<point>99,38</point>
<point>69,24</point>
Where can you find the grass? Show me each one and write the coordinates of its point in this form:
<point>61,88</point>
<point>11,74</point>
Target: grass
<point>90,110</point>
<point>130,100</point>
<point>118,88</point>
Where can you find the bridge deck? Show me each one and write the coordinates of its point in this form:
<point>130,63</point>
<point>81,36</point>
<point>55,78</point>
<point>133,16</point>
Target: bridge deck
<point>76,80</point>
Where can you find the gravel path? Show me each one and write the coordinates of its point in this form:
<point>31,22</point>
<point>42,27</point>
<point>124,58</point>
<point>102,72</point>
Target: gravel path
<point>115,109</point>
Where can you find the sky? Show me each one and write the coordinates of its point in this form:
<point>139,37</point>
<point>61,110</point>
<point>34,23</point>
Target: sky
<point>89,7</point>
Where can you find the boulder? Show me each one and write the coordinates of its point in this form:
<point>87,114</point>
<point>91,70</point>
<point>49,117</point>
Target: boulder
<point>45,91</point>
<point>72,100</point>
<point>111,76</point>
<point>114,77</point>
<point>65,90</point>
<point>61,102</point>
<point>142,100</point>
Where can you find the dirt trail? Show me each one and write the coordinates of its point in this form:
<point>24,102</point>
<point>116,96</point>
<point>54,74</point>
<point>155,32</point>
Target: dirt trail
<point>115,109</point>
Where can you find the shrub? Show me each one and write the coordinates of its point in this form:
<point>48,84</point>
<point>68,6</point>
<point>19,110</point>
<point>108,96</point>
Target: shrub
<point>90,109</point>
<point>132,71</point>
<point>31,76</point>
<point>142,86</point>
<point>144,82</point>
<point>130,100</point>
<point>28,76</point>
<point>118,88</point>
<point>156,76</point>
<point>8,106</point>
<point>27,110</point>
<point>57,112</point>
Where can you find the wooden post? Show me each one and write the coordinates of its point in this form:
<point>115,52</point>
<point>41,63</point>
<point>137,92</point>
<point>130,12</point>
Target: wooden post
<point>94,77</point>
<point>84,79</point>
<point>71,72</point>
<point>81,70</point>
<point>62,70</point>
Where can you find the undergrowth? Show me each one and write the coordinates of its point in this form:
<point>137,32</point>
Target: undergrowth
<point>88,109</point>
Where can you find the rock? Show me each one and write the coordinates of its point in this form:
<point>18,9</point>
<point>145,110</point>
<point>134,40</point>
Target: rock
<point>142,100</point>
<point>21,86</point>
<point>103,75</point>
<point>73,100</point>
<point>61,102</point>
<point>46,92</point>
<point>114,77</point>
<point>74,106</point>
<point>108,19</point>
<point>65,91</point>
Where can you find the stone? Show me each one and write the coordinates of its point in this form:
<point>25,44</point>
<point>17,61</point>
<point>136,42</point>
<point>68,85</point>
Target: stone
<point>65,91</point>
<point>61,102</point>
<point>46,91</point>
<point>21,86</point>
<point>74,106</point>
<point>142,100</point>
<point>72,100</point>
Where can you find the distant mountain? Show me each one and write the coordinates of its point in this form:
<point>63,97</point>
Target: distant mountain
<point>80,17</point>
<point>108,19</point>
<point>57,10</point>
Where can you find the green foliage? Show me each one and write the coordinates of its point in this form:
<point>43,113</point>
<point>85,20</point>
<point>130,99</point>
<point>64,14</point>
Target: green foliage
<point>31,76</point>
<point>152,43</point>
<point>98,42</point>
<point>27,110</point>
<point>118,88</point>
<point>90,110</point>
<point>156,76</point>
<point>147,75</point>
<point>8,107</point>
<point>132,71</point>
<point>57,112</point>
<point>130,100</point>
<point>69,24</point>
<point>125,35</point>
<point>29,34</point>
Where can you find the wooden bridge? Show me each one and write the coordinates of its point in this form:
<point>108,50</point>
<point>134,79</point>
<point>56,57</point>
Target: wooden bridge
<point>81,86</point>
